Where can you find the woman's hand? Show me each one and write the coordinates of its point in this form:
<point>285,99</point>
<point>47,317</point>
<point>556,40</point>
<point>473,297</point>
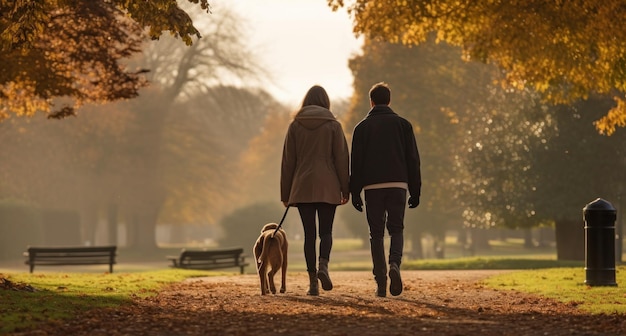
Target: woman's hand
<point>345,200</point>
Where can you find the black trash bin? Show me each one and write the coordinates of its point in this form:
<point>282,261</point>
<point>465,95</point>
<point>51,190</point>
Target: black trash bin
<point>599,217</point>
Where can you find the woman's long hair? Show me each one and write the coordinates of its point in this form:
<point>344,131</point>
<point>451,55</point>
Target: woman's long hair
<point>316,96</point>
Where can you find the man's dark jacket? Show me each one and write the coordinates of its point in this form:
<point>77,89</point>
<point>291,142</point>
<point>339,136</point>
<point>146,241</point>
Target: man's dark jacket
<point>384,150</point>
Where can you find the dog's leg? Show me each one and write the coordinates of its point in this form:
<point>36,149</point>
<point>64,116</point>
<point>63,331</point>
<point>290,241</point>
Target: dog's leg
<point>261,282</point>
<point>263,277</point>
<point>257,249</point>
<point>283,267</point>
<point>264,262</point>
<point>283,278</point>
<point>270,277</point>
<point>267,289</point>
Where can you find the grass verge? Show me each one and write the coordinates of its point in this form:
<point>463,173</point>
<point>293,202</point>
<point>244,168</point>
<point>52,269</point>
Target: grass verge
<point>567,285</point>
<point>63,295</point>
<point>491,263</point>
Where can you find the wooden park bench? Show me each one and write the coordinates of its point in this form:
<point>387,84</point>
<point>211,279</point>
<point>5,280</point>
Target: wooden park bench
<point>210,259</point>
<point>70,255</point>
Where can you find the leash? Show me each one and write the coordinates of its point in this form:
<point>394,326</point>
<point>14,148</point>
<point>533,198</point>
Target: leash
<point>281,221</point>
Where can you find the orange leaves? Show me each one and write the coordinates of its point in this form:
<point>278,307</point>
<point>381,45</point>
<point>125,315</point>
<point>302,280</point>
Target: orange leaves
<point>20,99</point>
<point>73,50</point>
<point>616,117</point>
<point>566,50</point>
<point>25,21</point>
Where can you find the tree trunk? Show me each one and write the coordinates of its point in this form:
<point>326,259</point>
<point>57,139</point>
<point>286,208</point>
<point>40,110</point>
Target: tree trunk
<point>439,246</point>
<point>147,188</point>
<point>466,242</point>
<point>619,230</point>
<point>143,238</point>
<point>570,239</point>
<point>461,237</point>
<point>89,220</point>
<point>112,214</point>
<point>417,250</point>
<point>528,239</point>
<point>480,239</point>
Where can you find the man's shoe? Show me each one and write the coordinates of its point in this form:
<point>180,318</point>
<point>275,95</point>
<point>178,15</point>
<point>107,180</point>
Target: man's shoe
<point>396,281</point>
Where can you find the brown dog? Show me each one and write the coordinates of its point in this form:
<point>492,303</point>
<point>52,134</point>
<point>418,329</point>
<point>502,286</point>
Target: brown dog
<point>270,252</point>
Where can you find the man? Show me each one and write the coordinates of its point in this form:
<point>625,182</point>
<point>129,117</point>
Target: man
<point>385,163</point>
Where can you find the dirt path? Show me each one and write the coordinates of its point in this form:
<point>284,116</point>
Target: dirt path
<point>433,303</point>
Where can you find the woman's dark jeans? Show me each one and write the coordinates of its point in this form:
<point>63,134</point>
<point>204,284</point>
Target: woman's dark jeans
<point>326,215</point>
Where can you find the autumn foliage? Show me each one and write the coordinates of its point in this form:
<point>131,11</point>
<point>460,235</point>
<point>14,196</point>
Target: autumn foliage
<point>567,50</point>
<point>59,55</point>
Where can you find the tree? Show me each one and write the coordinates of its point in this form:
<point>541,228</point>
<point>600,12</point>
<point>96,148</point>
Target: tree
<point>260,162</point>
<point>95,164</point>
<point>170,157</point>
<point>497,181</point>
<point>71,52</point>
<point>566,50</point>
<point>74,165</point>
<point>242,226</point>
<point>184,77</point>
<point>576,166</point>
<point>221,56</point>
<point>199,166</point>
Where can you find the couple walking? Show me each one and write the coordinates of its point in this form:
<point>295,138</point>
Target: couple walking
<point>316,176</point>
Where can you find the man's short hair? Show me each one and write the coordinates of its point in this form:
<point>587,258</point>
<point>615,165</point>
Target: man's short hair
<point>380,94</point>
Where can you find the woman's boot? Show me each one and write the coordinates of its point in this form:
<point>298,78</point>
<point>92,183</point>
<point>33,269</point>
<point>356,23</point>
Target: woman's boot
<point>313,289</point>
<point>322,274</point>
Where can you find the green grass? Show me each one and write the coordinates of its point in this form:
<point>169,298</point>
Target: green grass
<point>63,295</point>
<point>567,285</point>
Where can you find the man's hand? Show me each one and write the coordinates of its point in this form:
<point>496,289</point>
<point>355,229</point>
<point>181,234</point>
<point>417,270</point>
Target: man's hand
<point>357,202</point>
<point>414,201</point>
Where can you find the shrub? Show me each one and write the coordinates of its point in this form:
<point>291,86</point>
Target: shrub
<point>243,226</point>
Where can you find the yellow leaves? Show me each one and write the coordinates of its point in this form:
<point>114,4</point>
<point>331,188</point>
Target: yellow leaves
<point>616,117</point>
<point>564,50</point>
<point>20,99</point>
<point>25,23</point>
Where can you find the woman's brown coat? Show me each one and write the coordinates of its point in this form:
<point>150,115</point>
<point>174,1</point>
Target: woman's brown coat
<point>316,162</point>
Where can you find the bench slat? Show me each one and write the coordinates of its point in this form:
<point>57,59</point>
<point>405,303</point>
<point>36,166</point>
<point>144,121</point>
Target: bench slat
<point>210,259</point>
<point>60,255</point>
<point>71,255</point>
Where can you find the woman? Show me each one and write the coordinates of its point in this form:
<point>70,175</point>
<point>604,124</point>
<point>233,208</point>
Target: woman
<point>315,178</point>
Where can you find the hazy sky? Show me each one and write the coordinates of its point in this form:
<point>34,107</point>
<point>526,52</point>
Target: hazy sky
<point>302,42</point>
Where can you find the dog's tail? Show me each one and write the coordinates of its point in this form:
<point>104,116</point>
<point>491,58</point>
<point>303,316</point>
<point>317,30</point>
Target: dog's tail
<point>266,242</point>
<point>274,233</point>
